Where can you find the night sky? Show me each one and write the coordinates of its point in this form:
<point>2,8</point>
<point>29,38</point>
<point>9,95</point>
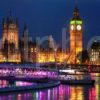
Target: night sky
<point>45,17</point>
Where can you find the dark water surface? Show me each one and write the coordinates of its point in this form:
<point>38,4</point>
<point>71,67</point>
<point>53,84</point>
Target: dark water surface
<point>62,92</point>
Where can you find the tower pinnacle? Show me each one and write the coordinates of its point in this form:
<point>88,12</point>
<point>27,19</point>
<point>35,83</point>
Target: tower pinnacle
<point>25,38</point>
<point>75,3</point>
<point>10,18</point>
<point>76,11</point>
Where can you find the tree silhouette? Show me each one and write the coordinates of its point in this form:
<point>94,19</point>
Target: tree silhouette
<point>83,57</point>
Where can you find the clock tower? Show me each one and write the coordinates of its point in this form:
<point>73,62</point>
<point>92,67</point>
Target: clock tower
<point>76,27</point>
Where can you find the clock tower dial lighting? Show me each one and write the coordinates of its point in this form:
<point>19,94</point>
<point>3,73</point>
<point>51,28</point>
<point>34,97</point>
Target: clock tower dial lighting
<point>79,27</point>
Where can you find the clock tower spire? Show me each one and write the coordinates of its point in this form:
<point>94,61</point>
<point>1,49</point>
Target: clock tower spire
<point>76,28</point>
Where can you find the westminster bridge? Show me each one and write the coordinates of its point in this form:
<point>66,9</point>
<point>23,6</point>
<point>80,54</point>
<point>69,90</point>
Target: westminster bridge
<point>36,72</point>
<point>47,67</point>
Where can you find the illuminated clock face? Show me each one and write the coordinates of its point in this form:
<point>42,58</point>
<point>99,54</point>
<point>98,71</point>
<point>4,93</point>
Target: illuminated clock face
<point>79,27</point>
<point>72,27</point>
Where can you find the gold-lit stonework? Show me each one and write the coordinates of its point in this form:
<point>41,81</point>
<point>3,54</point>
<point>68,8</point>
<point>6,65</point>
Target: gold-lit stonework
<point>76,27</point>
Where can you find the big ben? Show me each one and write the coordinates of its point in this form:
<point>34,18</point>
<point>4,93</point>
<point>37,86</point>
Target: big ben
<point>76,28</point>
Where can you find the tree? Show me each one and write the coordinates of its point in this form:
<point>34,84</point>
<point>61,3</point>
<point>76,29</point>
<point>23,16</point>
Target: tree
<point>83,57</point>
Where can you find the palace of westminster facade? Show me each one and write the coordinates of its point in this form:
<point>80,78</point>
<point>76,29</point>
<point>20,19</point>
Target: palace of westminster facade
<point>15,49</point>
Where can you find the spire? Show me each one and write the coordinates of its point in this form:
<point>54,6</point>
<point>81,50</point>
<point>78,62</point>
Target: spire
<point>25,40</point>
<point>9,13</point>
<point>75,3</point>
<point>76,10</point>
<point>25,26</point>
<point>3,21</point>
<point>10,18</point>
<point>17,21</point>
<point>25,31</point>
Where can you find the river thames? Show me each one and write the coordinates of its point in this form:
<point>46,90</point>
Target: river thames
<point>62,92</point>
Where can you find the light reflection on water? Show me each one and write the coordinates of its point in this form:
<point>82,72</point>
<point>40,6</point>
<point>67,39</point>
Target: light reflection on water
<point>62,92</point>
<point>4,83</point>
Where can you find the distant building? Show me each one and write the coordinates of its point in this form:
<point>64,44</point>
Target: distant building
<point>94,53</point>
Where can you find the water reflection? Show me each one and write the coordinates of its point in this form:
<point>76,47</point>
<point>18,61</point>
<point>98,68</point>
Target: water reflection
<point>4,83</point>
<point>62,92</point>
<point>59,93</point>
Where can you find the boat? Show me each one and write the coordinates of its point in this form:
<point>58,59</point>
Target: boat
<point>74,77</point>
<point>78,82</point>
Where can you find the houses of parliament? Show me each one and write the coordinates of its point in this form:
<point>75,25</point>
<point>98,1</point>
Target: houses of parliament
<point>15,49</point>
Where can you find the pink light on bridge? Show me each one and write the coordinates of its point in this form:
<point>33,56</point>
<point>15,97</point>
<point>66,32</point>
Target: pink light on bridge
<point>23,83</point>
